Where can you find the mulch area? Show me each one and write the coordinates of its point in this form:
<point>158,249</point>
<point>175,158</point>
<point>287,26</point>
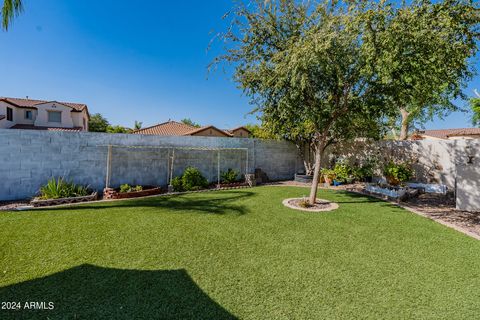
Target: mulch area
<point>12,205</point>
<point>434,206</point>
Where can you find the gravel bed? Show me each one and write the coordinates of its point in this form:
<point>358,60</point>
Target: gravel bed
<point>13,205</point>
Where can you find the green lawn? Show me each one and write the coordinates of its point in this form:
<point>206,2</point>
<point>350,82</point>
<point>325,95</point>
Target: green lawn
<point>237,254</point>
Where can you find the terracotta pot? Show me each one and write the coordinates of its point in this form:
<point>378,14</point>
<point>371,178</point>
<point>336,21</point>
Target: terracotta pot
<point>328,180</point>
<point>392,181</point>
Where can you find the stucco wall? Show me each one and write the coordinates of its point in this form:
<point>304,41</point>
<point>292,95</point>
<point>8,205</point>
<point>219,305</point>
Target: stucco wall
<point>3,111</point>
<point>42,115</point>
<point>433,161</point>
<point>29,158</point>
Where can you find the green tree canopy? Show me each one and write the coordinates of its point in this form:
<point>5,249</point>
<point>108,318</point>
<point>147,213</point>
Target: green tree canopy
<point>98,123</point>
<point>259,132</point>
<point>189,122</point>
<point>475,105</point>
<point>425,50</point>
<point>137,125</point>
<point>309,68</point>
<point>10,9</point>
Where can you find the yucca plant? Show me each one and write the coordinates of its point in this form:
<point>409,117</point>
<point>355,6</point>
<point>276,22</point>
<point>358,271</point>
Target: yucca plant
<point>61,188</point>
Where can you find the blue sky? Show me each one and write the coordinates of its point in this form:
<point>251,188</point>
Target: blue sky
<point>129,61</point>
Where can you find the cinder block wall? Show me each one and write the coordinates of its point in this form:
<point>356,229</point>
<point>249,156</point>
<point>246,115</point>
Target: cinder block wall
<point>29,158</point>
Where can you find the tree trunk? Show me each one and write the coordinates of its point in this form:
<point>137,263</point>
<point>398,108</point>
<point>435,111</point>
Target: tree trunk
<point>316,174</point>
<point>301,146</point>
<point>405,124</point>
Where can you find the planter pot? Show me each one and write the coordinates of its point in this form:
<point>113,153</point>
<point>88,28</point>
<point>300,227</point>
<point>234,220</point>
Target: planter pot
<point>303,178</point>
<point>328,180</point>
<point>392,181</point>
<point>389,192</point>
<point>56,202</point>
<point>109,193</point>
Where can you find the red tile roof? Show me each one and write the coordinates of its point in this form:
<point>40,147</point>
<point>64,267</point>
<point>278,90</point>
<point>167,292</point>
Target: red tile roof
<point>170,128</point>
<point>446,133</point>
<point>173,128</point>
<point>197,130</point>
<point>237,128</point>
<point>32,127</point>
<point>31,103</point>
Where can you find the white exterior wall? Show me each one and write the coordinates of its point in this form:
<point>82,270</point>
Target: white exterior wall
<point>78,117</point>
<point>4,124</point>
<point>42,116</point>
<point>19,116</point>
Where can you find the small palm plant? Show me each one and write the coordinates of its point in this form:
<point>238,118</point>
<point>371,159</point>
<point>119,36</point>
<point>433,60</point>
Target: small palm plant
<point>61,188</point>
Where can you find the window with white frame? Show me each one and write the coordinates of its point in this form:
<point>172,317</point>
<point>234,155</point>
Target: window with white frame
<point>55,116</point>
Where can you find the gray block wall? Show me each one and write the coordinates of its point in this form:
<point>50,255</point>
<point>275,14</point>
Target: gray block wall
<point>29,158</point>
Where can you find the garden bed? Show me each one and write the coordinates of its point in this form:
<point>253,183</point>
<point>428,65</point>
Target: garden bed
<point>115,194</point>
<point>303,178</point>
<point>229,185</point>
<point>55,202</point>
<point>390,192</point>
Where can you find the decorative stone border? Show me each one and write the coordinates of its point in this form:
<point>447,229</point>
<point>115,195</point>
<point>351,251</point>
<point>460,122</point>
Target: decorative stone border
<point>333,205</point>
<point>112,194</point>
<point>56,202</point>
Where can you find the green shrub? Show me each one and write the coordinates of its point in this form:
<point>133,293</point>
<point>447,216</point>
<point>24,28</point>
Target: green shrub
<point>128,188</point>
<point>343,172</point>
<point>397,173</point>
<point>328,173</point>
<point>60,188</point>
<point>125,188</point>
<point>229,176</point>
<point>177,184</point>
<point>192,179</point>
<point>363,172</point>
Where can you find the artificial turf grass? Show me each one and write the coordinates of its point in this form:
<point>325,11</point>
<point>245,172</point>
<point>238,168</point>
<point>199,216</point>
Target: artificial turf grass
<point>238,253</point>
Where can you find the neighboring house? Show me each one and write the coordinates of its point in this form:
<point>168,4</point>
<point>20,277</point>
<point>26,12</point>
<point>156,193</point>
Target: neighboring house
<point>18,113</point>
<point>173,128</point>
<point>447,134</point>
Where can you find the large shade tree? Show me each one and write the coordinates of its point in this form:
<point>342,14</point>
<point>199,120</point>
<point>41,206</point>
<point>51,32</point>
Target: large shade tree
<point>425,58</point>
<point>475,105</point>
<point>309,64</point>
<point>10,9</point>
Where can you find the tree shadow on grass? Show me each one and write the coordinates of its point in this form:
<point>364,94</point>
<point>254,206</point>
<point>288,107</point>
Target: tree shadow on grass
<point>357,198</point>
<point>91,292</point>
<point>209,203</point>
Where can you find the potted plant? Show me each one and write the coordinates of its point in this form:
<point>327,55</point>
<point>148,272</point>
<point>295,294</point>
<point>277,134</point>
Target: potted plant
<point>397,173</point>
<point>328,175</point>
<point>364,173</point>
<point>343,174</point>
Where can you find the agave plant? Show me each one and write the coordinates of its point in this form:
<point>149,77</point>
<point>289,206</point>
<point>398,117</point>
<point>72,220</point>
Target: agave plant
<point>61,188</point>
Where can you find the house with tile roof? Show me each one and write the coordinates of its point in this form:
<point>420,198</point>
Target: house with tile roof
<point>174,128</point>
<point>17,113</point>
<point>447,134</point>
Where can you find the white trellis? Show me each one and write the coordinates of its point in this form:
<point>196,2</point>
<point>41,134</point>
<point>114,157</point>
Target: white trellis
<point>170,158</point>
